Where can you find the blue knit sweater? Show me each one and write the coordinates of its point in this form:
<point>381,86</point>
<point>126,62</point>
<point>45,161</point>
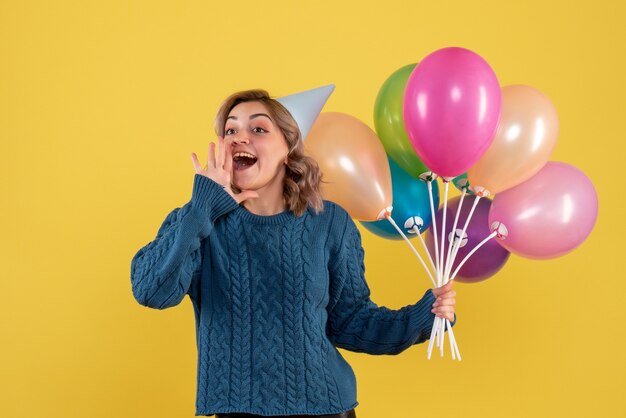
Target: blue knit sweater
<point>273,297</point>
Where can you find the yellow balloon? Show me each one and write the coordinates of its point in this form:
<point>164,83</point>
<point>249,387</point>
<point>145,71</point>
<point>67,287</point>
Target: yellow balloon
<point>524,141</point>
<point>355,168</point>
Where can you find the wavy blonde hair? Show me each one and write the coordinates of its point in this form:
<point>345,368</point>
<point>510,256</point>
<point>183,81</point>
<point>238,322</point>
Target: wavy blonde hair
<point>301,187</point>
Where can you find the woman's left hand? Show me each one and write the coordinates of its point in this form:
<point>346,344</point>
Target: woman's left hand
<point>444,304</point>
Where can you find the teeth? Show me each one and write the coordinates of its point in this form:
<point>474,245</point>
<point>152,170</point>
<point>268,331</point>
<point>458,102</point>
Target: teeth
<point>244,154</point>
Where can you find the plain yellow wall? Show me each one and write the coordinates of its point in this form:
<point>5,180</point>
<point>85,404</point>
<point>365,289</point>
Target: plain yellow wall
<point>101,103</point>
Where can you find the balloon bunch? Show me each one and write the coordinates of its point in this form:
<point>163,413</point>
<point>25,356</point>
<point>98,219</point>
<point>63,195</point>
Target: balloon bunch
<point>448,118</point>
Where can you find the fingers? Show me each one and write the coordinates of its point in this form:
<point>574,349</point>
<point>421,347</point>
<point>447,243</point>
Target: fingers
<point>444,306</point>
<point>444,302</point>
<point>445,295</point>
<point>449,294</point>
<point>220,152</point>
<point>448,316</point>
<point>211,158</point>
<point>443,289</point>
<point>228,159</point>
<point>244,195</point>
<point>444,312</point>
<point>196,163</point>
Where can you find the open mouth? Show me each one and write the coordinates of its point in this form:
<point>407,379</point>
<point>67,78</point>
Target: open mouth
<point>243,160</point>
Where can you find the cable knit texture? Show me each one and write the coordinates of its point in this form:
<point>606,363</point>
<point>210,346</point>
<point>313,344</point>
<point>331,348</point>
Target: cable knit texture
<point>273,298</point>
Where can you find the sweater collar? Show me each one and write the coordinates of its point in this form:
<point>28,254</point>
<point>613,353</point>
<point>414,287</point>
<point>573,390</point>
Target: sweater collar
<point>277,219</point>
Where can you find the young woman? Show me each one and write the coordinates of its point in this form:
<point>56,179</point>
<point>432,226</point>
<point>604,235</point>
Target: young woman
<point>275,274</point>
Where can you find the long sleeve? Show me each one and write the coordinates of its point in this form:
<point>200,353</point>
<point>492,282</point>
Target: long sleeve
<point>358,324</point>
<point>163,270</point>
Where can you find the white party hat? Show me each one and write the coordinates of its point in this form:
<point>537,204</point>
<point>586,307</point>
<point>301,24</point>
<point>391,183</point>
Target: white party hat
<point>306,106</point>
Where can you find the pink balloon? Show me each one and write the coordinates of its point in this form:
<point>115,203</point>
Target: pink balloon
<point>452,104</point>
<point>549,214</point>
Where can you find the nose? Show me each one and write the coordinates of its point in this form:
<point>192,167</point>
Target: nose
<point>241,139</point>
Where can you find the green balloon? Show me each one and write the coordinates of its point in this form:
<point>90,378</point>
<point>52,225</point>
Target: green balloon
<point>389,122</point>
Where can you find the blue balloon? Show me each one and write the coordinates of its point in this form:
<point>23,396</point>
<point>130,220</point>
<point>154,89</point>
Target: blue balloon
<point>411,206</point>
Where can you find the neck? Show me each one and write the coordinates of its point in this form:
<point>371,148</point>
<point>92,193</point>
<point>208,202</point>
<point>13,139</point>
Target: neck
<point>270,200</point>
<point>264,208</point>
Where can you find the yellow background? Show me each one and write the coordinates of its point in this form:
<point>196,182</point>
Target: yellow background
<point>101,104</point>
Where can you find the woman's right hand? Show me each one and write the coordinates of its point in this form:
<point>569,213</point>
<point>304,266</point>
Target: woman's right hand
<point>445,302</point>
<point>219,169</point>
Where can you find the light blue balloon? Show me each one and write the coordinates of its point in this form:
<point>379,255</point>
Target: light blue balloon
<point>411,206</point>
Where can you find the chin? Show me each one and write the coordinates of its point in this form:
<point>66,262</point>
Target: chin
<point>243,185</point>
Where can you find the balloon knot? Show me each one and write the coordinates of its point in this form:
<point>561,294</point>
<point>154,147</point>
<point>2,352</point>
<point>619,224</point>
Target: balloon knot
<point>501,231</point>
<point>385,213</point>
<point>480,191</point>
<point>428,176</point>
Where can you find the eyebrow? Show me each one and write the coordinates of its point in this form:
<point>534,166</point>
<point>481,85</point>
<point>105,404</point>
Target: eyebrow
<point>256,115</point>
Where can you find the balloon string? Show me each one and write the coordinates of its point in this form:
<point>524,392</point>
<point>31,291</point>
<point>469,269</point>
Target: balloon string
<point>483,242</point>
<point>436,332</point>
<point>433,335</point>
<point>390,219</point>
<point>440,324</point>
<point>452,241</point>
<point>443,225</point>
<point>453,346</point>
<point>440,337</point>
<point>457,243</point>
<point>442,334</point>
<point>452,350</point>
<point>417,231</point>
<point>448,265</point>
<point>432,212</point>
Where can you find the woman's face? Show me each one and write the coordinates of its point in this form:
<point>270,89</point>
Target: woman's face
<point>259,147</point>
